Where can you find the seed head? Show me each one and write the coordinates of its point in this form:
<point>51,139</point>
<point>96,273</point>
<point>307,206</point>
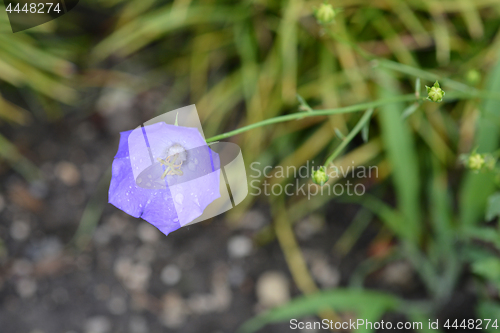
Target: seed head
<point>435,93</point>
<point>475,161</point>
<point>325,13</point>
<point>319,176</point>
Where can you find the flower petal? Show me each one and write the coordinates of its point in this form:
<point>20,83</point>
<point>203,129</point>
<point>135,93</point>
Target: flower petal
<point>178,204</point>
<point>123,145</point>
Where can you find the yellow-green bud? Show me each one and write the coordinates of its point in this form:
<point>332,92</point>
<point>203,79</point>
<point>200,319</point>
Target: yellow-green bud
<point>473,77</point>
<point>325,13</point>
<point>475,161</point>
<point>435,93</point>
<point>319,176</point>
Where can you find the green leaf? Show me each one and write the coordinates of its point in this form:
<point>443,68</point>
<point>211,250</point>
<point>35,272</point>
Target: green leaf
<point>368,305</point>
<point>339,134</point>
<point>489,310</point>
<point>365,131</point>
<point>410,110</point>
<point>488,268</point>
<point>400,148</point>
<point>485,234</point>
<point>477,187</point>
<point>493,207</point>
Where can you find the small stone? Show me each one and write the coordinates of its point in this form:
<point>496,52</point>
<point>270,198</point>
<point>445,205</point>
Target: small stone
<point>236,276</point>
<point>327,276</point>
<point>138,324</point>
<point>122,267</point>
<point>148,233</point>
<point>253,220</point>
<point>200,303</point>
<point>309,227</point>
<point>221,293</point>
<point>22,267</point>
<point>170,275</point>
<point>39,189</point>
<point>239,246</point>
<point>116,224</point>
<point>26,287</point>
<point>98,324</point>
<point>175,312</point>
<point>399,273</point>
<point>117,305</point>
<point>138,277</point>
<point>47,249</point>
<point>68,173</point>
<point>102,235</point>
<point>20,230</point>
<point>272,289</point>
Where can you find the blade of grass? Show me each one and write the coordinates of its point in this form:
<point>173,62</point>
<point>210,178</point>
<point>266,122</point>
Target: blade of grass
<point>476,188</point>
<point>368,305</point>
<point>400,148</point>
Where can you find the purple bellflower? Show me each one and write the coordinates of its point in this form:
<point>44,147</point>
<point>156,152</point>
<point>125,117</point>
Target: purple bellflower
<point>165,174</point>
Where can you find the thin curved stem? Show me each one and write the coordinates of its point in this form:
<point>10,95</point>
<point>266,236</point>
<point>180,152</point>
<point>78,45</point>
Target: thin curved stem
<point>315,113</point>
<point>366,117</point>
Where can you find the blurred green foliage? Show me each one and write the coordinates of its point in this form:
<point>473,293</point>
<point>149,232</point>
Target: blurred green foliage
<point>244,62</point>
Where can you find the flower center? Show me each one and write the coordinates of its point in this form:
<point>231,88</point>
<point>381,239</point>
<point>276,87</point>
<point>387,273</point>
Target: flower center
<point>176,155</point>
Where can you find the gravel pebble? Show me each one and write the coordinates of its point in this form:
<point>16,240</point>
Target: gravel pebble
<point>26,287</point>
<point>399,273</point>
<point>98,324</point>
<point>175,312</point>
<point>326,275</point>
<point>68,173</point>
<point>309,227</point>
<point>148,233</point>
<point>170,275</point>
<point>138,324</point>
<point>22,267</point>
<point>20,230</point>
<point>272,289</point>
<point>117,305</point>
<point>239,246</point>
<point>253,220</point>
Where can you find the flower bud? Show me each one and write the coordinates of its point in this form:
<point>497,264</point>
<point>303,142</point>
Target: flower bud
<point>473,77</point>
<point>475,162</point>
<point>325,13</point>
<point>435,93</point>
<point>319,176</point>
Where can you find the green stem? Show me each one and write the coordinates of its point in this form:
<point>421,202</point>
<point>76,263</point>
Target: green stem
<point>366,117</point>
<point>315,113</point>
<point>471,92</point>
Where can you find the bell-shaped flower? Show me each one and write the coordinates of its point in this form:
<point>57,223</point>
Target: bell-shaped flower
<point>165,174</point>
